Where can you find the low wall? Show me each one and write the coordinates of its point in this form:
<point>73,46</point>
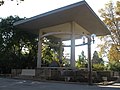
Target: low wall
<point>63,73</point>
<point>16,72</point>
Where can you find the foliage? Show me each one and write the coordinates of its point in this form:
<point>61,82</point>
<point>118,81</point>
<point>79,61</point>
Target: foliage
<point>111,46</point>
<point>113,54</point>
<point>18,49</point>
<point>50,49</point>
<point>82,61</point>
<point>17,1</point>
<point>65,62</point>
<point>115,66</point>
<point>97,67</point>
<point>96,59</point>
<point>111,17</point>
<point>97,62</point>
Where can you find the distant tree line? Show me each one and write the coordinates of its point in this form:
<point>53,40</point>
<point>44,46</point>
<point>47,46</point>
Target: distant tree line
<point>97,62</point>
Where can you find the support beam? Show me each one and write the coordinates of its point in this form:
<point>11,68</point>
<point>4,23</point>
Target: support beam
<point>39,50</point>
<point>61,53</point>
<point>75,45</point>
<point>55,33</point>
<point>89,62</point>
<point>72,60</point>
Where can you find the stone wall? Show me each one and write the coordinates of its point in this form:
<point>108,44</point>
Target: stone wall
<point>68,74</point>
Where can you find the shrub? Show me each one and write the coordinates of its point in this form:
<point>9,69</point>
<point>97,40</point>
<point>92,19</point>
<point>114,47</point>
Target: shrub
<point>97,67</point>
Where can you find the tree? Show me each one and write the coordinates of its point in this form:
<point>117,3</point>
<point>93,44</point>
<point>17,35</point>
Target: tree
<point>115,66</point>
<point>50,49</point>
<point>82,61</point>
<point>17,1</point>
<point>114,59</point>
<point>97,62</point>
<point>18,49</point>
<point>96,59</point>
<point>111,17</point>
<point>113,54</point>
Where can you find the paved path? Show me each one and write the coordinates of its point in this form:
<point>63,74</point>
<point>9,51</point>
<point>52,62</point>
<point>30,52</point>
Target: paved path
<point>15,84</point>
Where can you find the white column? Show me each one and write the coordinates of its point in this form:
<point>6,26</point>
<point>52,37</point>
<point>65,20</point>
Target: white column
<point>39,50</point>
<point>72,61</point>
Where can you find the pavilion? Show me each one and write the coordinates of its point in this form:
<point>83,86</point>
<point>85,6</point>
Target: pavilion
<point>67,23</point>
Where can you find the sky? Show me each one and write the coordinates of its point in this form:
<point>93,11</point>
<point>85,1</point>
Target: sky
<point>30,8</point>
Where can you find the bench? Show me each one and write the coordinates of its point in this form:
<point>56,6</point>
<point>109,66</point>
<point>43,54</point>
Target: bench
<point>28,72</point>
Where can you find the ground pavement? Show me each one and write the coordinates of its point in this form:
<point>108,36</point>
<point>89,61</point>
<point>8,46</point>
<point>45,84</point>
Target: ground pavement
<point>16,84</point>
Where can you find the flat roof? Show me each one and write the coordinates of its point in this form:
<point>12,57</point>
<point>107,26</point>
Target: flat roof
<point>79,12</point>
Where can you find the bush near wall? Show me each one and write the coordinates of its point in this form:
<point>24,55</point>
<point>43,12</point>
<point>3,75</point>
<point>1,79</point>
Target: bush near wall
<point>97,67</point>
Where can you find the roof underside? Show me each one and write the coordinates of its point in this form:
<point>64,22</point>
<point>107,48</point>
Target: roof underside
<point>80,12</point>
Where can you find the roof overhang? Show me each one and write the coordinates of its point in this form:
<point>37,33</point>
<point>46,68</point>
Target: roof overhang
<point>80,12</point>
